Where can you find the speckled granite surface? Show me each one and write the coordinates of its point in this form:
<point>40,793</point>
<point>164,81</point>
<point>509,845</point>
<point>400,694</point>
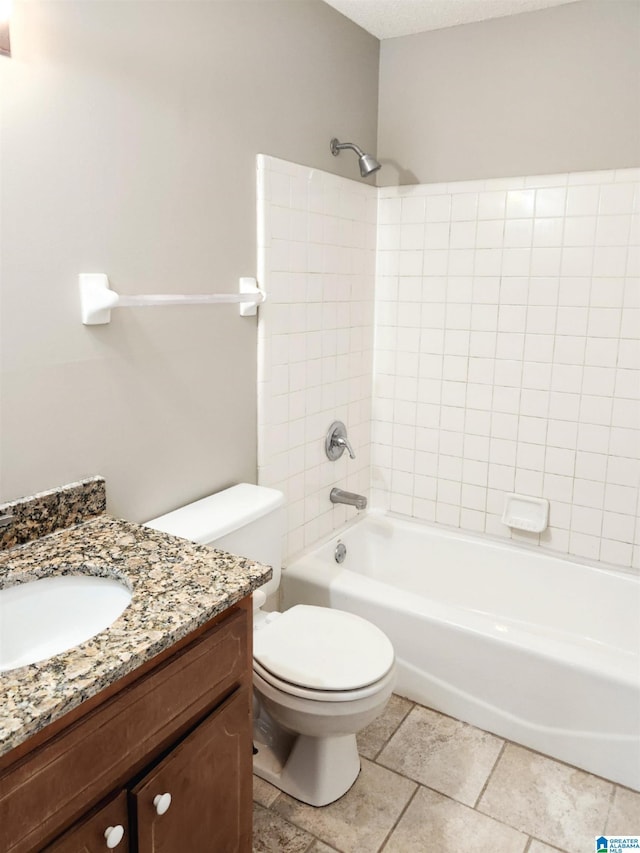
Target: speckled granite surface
<point>177,586</point>
<point>41,514</point>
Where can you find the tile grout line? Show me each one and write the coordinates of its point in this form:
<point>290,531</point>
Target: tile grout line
<point>400,816</point>
<point>612,798</point>
<point>289,823</point>
<point>314,838</point>
<point>392,735</point>
<point>546,843</point>
<point>488,779</point>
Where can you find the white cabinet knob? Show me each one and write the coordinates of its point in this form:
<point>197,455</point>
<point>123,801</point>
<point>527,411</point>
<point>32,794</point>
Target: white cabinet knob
<point>114,835</point>
<point>162,802</point>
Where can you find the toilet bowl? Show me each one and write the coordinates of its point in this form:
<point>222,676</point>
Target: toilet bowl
<point>320,675</point>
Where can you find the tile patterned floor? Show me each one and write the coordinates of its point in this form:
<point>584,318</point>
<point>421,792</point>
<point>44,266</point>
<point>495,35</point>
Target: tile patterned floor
<point>431,783</point>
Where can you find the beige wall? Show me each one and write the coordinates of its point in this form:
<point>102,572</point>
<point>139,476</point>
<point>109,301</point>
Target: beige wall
<point>556,90</point>
<point>129,136</point>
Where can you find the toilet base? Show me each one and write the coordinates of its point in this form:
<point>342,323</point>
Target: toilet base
<point>316,771</point>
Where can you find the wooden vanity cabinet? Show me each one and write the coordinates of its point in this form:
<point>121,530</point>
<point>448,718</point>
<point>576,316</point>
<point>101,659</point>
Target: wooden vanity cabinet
<point>182,728</point>
<point>209,780</point>
<point>88,836</point>
<point>209,777</point>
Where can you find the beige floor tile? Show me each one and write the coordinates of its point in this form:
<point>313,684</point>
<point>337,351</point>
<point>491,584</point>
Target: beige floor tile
<point>321,847</point>
<point>444,754</point>
<point>373,738</point>
<point>273,834</point>
<point>264,793</point>
<point>434,822</point>
<point>624,816</point>
<point>553,802</point>
<point>540,847</point>
<point>359,821</point>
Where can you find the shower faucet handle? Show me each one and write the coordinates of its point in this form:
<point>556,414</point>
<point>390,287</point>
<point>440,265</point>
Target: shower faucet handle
<point>343,441</point>
<point>337,442</point>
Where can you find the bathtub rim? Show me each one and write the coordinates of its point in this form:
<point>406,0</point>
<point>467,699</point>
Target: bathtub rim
<point>468,535</point>
<point>620,662</point>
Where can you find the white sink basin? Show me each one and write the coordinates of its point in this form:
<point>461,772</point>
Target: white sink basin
<point>45,617</point>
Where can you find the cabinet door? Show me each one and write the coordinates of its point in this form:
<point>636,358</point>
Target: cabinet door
<point>209,779</point>
<point>89,835</point>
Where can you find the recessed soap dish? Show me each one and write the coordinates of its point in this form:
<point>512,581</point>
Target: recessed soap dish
<point>525,513</point>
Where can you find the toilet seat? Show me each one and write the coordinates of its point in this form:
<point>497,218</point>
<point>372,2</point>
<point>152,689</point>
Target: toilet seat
<point>320,695</point>
<point>319,652</point>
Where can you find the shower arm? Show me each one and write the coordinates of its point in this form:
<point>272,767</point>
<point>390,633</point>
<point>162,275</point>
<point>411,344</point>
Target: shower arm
<point>339,146</point>
<point>367,162</point>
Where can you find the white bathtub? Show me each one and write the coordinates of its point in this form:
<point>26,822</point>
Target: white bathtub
<point>537,649</point>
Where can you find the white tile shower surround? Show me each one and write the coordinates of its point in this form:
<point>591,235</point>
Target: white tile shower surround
<point>506,351</point>
<point>316,260</point>
<point>429,782</point>
<point>507,356</point>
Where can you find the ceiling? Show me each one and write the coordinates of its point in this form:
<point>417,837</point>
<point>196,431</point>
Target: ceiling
<point>390,18</point>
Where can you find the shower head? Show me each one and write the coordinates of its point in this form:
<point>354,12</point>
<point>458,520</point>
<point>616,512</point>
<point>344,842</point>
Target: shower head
<point>367,162</point>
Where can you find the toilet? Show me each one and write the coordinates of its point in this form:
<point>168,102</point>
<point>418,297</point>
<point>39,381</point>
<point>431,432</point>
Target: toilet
<point>320,675</point>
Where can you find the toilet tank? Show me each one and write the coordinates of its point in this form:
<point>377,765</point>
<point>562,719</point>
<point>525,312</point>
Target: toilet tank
<point>245,520</point>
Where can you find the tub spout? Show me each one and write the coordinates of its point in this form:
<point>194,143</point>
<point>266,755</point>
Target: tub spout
<point>338,496</point>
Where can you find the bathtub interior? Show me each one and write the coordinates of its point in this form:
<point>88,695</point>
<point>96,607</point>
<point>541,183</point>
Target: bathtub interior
<point>517,588</point>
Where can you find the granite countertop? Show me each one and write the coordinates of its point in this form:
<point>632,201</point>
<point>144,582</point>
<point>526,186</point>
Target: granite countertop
<point>176,585</point>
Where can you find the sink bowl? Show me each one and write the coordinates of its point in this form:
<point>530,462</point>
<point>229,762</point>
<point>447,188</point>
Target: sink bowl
<point>42,618</point>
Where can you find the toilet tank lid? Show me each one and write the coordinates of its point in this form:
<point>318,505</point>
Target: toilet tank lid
<point>215,516</point>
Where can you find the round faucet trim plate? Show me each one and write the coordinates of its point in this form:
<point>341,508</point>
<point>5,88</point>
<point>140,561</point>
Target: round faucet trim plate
<point>337,442</point>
